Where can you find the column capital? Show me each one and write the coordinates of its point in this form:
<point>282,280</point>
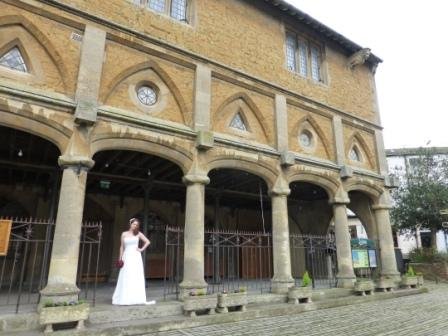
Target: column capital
<point>66,161</point>
<point>195,179</point>
<point>339,201</point>
<point>382,206</point>
<point>279,191</point>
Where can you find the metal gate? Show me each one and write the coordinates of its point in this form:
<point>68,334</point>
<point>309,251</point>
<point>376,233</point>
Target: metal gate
<point>232,260</point>
<point>317,255</point>
<point>24,269</point>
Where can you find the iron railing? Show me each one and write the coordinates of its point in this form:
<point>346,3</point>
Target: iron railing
<point>24,269</point>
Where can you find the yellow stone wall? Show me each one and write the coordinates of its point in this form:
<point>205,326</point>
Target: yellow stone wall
<point>254,46</point>
<point>53,55</point>
<point>365,142</point>
<point>237,34</point>
<point>318,125</point>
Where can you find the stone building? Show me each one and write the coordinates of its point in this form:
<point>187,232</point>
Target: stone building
<point>243,115</point>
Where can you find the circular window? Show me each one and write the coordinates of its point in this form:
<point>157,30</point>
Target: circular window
<point>305,139</point>
<point>147,95</point>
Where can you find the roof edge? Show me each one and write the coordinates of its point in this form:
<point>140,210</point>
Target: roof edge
<point>322,29</point>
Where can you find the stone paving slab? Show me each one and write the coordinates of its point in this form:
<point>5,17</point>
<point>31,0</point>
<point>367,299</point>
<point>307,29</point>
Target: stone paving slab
<point>417,315</point>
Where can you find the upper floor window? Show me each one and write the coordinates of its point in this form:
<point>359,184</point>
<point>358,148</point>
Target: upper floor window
<point>177,9</point>
<point>304,57</point>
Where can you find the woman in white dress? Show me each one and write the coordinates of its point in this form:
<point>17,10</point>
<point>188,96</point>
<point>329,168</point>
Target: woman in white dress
<point>130,289</point>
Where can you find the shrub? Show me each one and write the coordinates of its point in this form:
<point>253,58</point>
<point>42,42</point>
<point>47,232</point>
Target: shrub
<point>306,279</point>
<point>427,255</point>
<point>410,271</point>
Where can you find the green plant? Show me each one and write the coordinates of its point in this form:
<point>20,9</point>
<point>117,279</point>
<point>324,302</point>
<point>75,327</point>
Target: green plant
<point>410,272</point>
<point>201,292</point>
<point>306,279</point>
<point>62,303</point>
<point>427,255</point>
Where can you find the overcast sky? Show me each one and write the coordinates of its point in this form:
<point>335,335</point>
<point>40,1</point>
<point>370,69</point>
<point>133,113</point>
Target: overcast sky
<point>411,38</point>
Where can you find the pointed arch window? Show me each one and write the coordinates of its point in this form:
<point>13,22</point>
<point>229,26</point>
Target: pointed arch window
<point>13,59</point>
<point>238,122</point>
<point>354,154</point>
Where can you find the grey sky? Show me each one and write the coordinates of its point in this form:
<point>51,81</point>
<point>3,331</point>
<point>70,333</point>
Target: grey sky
<point>410,37</point>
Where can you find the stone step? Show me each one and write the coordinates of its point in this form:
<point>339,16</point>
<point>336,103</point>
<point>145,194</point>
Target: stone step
<point>108,313</point>
<point>254,311</point>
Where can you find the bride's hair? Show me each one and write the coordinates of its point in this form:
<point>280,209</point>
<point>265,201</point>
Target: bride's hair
<point>135,220</point>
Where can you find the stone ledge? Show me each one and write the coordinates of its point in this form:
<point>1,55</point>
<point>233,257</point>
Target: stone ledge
<point>172,323</point>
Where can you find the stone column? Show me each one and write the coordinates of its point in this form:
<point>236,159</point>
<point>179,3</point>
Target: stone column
<point>282,278</point>
<point>194,234</point>
<point>345,275</point>
<point>61,284</point>
<point>386,242</point>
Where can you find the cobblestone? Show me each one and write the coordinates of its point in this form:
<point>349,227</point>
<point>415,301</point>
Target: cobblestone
<point>417,315</point>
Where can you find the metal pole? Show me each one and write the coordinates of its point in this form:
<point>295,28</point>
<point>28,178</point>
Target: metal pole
<point>147,188</point>
<point>217,272</point>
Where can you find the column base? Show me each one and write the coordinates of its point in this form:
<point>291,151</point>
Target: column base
<point>185,288</point>
<point>281,286</point>
<point>345,282</point>
<point>58,293</point>
<point>394,275</point>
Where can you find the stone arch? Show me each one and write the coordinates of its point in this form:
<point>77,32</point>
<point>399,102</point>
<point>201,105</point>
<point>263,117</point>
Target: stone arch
<point>317,129</point>
<point>330,185</point>
<point>163,75</point>
<point>357,140</point>
<point>44,42</point>
<point>244,97</point>
<point>142,143</point>
<point>264,171</point>
<point>38,124</point>
<point>372,190</point>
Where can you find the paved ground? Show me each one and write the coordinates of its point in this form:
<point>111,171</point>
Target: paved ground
<point>416,315</point>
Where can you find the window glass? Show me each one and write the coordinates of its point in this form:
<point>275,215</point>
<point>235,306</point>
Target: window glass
<point>147,95</point>
<point>238,123</point>
<point>13,59</point>
<point>157,5</point>
<point>303,56</point>
<point>315,63</point>
<point>291,52</point>
<point>354,154</point>
<point>179,9</point>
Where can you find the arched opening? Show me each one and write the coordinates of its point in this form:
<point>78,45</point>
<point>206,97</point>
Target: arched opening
<point>125,184</point>
<point>29,185</point>
<point>363,233</point>
<point>238,224</point>
<point>312,238</point>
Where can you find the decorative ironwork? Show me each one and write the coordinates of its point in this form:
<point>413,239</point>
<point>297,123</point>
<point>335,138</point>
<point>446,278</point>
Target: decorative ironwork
<point>24,269</point>
<point>147,95</point>
<point>317,255</point>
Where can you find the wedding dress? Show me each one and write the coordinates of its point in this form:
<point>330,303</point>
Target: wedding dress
<point>130,289</point>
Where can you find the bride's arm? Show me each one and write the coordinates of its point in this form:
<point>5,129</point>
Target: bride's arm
<point>121,246</point>
<point>145,240</point>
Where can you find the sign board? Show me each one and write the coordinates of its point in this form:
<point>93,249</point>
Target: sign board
<point>360,258</point>
<point>444,212</point>
<point>445,225</point>
<point>5,232</point>
<point>372,258</point>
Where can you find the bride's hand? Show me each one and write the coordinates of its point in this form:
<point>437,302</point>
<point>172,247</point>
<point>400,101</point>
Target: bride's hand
<point>139,249</point>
